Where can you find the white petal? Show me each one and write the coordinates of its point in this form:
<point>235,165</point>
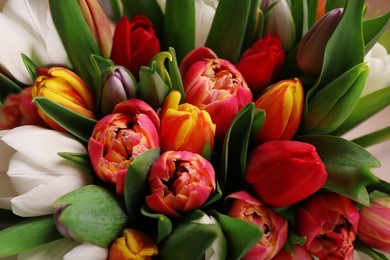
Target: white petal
<point>41,145</point>
<point>204,18</point>
<point>39,201</point>
<point>161,3</point>
<point>6,190</point>
<point>87,251</point>
<point>54,250</point>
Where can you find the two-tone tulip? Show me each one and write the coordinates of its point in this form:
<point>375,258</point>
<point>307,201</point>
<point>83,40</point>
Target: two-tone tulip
<point>180,181</point>
<point>244,206</point>
<point>185,127</point>
<point>282,173</point>
<point>214,85</point>
<point>120,137</point>
<point>133,244</point>
<point>283,106</point>
<point>311,49</point>
<point>65,88</point>
<point>330,223</point>
<point>374,224</point>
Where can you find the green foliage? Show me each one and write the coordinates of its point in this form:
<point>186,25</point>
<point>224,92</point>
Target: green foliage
<point>7,87</point>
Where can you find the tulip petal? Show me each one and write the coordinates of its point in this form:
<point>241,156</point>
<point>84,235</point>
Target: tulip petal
<point>53,250</point>
<point>204,15</point>
<point>87,251</point>
<point>39,201</point>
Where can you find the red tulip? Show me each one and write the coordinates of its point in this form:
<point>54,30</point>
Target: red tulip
<point>134,43</point>
<point>282,173</point>
<point>180,181</point>
<point>214,85</point>
<point>374,224</point>
<point>120,137</point>
<point>300,253</point>
<point>244,206</point>
<point>262,63</point>
<point>330,223</point>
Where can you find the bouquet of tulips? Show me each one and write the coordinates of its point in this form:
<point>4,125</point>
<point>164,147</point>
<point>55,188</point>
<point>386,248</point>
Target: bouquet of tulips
<point>191,129</point>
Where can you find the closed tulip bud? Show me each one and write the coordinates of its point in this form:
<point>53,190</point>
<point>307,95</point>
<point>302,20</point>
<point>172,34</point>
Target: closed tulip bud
<point>243,206</point>
<point>282,173</point>
<point>330,223</point>
<point>65,88</point>
<point>374,224</point>
<point>311,49</point>
<point>298,254</point>
<point>283,106</point>
<point>185,127</point>
<point>214,85</point>
<point>133,244</point>
<point>118,85</point>
<point>180,181</point>
<point>120,137</point>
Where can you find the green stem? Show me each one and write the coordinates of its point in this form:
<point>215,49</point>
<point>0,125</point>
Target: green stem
<point>381,186</point>
<point>360,246</point>
<point>373,138</point>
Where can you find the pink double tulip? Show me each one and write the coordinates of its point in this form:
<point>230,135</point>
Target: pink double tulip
<point>184,127</point>
<point>214,85</point>
<point>300,253</point>
<point>243,206</point>
<point>262,63</point>
<point>282,173</point>
<point>330,223</point>
<point>120,137</point>
<point>180,181</point>
<point>374,224</point>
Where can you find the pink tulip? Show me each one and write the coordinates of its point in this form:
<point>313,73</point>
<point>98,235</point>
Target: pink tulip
<point>180,181</point>
<point>300,253</point>
<point>120,137</point>
<point>246,207</point>
<point>214,85</point>
<point>330,223</point>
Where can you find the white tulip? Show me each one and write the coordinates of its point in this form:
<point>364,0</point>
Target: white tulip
<point>28,28</point>
<point>87,251</point>
<point>204,15</point>
<point>32,174</point>
<point>379,75</point>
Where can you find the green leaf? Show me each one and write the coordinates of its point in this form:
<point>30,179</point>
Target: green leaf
<point>174,72</point>
<point>360,246</point>
<point>248,234</point>
<point>81,159</point>
<point>117,10</point>
<point>76,124</point>
<point>30,66</point>
<point>136,182</point>
<point>375,137</point>
<point>347,165</point>
<point>80,43</point>
<point>163,224</point>
<point>28,234</point>
<point>250,33</point>
<point>374,28</point>
<point>180,26</point>
<point>91,214</point>
<point>7,87</point>
<point>227,32</point>
<point>366,107</point>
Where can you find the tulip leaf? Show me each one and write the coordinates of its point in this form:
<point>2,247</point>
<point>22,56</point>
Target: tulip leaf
<point>180,26</point>
<point>174,72</point>
<point>28,234</point>
<point>80,43</point>
<point>164,224</point>
<point>81,159</point>
<point>214,197</point>
<point>100,65</point>
<point>7,87</point>
<point>136,182</point>
<point>374,28</point>
<point>227,32</point>
<point>116,8</point>
<point>369,251</point>
<point>30,66</point>
<point>348,166</point>
<point>366,107</point>
<point>248,234</point>
<point>250,33</point>
<point>374,137</point>
<point>91,214</point>
<point>76,124</point>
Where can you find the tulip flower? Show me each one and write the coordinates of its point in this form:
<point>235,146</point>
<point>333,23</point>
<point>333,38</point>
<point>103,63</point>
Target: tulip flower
<point>246,207</point>
<point>32,174</point>
<point>65,88</point>
<point>374,224</point>
<point>214,85</point>
<point>30,30</point>
<point>330,223</point>
<point>283,106</point>
<point>185,127</point>
<point>120,137</point>
<point>282,173</point>
<point>18,110</point>
<point>379,63</point>
<point>279,22</point>
<point>118,85</point>
<point>180,181</point>
<point>133,244</point>
<point>134,43</point>
<point>311,49</point>
<point>261,63</point>
<point>298,254</point>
